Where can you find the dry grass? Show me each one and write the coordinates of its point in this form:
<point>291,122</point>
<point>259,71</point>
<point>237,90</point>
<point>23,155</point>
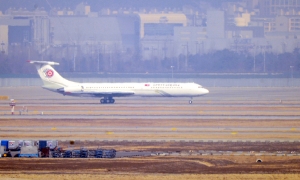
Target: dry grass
<point>169,129</point>
<point>247,109</point>
<point>145,176</point>
<point>73,136</point>
<point>168,168</point>
<point>145,122</point>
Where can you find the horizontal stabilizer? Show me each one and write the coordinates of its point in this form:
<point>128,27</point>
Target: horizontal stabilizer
<point>43,62</point>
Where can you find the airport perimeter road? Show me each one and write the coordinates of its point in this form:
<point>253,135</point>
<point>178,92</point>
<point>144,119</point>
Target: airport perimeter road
<point>224,114</point>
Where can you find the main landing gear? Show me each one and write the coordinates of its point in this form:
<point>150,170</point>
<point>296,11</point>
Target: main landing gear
<point>108,100</point>
<point>191,101</point>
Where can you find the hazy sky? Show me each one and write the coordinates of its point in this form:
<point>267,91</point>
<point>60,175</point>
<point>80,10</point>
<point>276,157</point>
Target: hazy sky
<point>96,5</point>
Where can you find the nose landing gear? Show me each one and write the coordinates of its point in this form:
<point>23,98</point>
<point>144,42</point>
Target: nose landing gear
<point>108,100</point>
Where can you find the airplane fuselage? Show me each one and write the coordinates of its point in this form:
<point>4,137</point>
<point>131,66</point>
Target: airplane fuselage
<point>134,89</point>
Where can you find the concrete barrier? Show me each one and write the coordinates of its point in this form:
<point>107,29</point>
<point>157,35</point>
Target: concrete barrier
<point>2,150</point>
<point>29,151</point>
<point>270,154</point>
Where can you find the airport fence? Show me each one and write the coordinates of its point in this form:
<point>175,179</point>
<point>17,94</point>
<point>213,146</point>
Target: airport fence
<point>206,82</point>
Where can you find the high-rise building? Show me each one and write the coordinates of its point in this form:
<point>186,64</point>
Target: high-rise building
<point>279,7</point>
<point>215,24</point>
<point>252,4</point>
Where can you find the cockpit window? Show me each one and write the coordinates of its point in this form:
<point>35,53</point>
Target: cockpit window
<point>199,86</point>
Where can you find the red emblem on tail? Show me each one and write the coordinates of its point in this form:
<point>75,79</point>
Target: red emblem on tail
<point>49,73</point>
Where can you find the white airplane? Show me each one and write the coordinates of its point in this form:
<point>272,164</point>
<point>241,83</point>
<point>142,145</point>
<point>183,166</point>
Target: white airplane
<point>107,91</point>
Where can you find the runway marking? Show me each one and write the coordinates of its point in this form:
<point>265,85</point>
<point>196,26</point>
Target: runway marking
<point>174,129</point>
<point>293,129</point>
<point>204,163</point>
<point>4,97</point>
<point>109,132</point>
<point>53,129</point>
<point>234,133</point>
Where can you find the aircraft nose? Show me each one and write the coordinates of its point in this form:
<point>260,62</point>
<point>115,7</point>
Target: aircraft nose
<point>205,91</point>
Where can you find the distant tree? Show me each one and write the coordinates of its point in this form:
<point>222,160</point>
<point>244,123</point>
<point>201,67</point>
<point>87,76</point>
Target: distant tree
<point>223,61</point>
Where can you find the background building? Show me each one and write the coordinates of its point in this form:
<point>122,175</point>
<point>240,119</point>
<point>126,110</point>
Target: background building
<point>153,34</point>
<point>279,7</point>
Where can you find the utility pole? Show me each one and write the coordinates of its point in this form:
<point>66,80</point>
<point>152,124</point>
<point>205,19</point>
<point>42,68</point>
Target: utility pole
<point>110,60</point>
<point>263,48</point>
<point>172,71</point>
<point>29,48</point>
<point>254,59</point>
<point>2,44</point>
<point>104,56</point>
<point>74,58</point>
<point>98,59</point>
<point>292,75</point>
<point>264,60</point>
<point>186,57</point>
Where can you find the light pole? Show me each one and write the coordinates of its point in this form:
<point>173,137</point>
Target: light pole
<point>264,51</point>
<point>292,75</point>
<point>186,57</point>
<point>264,48</point>
<point>74,58</point>
<point>236,41</point>
<point>254,59</point>
<point>98,59</point>
<point>172,71</point>
<point>104,55</point>
<point>2,44</point>
<point>29,49</point>
<point>110,60</point>
<point>264,60</point>
<point>284,47</point>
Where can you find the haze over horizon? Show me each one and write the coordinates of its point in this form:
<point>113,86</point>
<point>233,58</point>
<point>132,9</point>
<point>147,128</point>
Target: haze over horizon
<point>97,5</point>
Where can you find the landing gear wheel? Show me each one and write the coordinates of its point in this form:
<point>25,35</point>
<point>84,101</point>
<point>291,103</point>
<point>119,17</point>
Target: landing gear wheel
<point>111,101</point>
<point>190,102</point>
<point>104,101</point>
<point>107,101</point>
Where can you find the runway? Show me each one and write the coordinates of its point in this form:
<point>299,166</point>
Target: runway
<point>226,114</point>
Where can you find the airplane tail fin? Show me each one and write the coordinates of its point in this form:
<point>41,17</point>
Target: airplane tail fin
<point>51,78</point>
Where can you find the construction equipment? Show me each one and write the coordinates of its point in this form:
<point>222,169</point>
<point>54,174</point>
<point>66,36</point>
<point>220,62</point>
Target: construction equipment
<point>98,153</point>
<point>15,145</point>
<point>67,154</point>
<point>45,152</point>
<point>76,153</point>
<point>2,151</point>
<point>29,151</point>
<point>84,153</point>
<point>52,144</point>
<point>109,153</point>
<point>29,143</point>
<point>4,143</point>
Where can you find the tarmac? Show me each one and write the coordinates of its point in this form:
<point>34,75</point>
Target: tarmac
<point>226,114</point>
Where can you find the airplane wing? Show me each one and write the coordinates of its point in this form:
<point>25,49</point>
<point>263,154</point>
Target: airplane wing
<point>111,93</point>
<point>43,62</point>
<point>95,93</point>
